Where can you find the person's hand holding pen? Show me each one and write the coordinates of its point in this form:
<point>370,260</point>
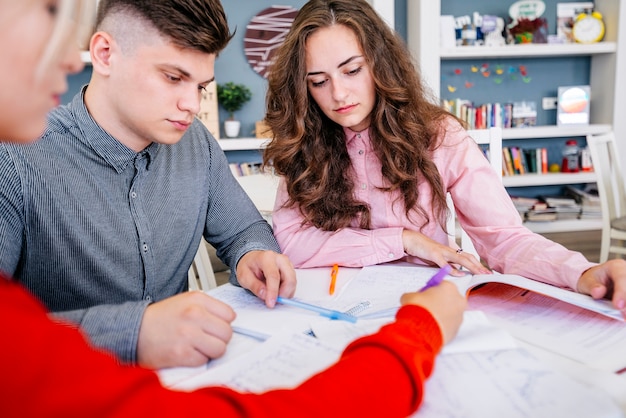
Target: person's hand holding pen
<point>419,245</point>
<point>444,302</point>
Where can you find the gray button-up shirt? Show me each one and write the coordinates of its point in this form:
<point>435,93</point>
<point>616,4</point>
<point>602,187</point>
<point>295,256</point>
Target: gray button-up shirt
<point>98,231</point>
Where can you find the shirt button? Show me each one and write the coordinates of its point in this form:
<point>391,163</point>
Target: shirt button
<point>148,298</point>
<point>145,247</point>
<point>133,195</point>
<point>361,152</point>
<point>363,186</point>
<point>358,136</point>
<point>390,255</point>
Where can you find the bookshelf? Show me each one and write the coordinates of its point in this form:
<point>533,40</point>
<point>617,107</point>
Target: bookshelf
<point>606,73</point>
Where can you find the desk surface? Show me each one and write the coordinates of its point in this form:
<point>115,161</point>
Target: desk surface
<point>313,286</point>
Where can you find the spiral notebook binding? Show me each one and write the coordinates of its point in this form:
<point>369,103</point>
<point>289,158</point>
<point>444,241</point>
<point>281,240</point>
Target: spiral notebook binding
<point>358,308</point>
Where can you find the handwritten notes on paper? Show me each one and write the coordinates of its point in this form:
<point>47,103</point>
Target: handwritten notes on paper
<point>281,362</point>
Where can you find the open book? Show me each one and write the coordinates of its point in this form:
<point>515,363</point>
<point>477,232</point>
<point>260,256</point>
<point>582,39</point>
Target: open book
<point>590,331</point>
<point>401,278</point>
<point>601,306</point>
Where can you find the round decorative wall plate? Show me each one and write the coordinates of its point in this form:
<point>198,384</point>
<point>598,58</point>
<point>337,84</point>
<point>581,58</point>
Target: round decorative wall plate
<point>264,34</point>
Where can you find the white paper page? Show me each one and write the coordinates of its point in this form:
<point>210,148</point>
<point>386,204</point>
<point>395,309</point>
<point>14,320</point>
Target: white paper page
<point>237,346</point>
<point>506,383</point>
<point>511,384</point>
<point>254,315</point>
<point>611,383</point>
<point>314,284</point>
<point>284,361</point>
<point>577,333</point>
<point>476,334</point>
<point>382,286</point>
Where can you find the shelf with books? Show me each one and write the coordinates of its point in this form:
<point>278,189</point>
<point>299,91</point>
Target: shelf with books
<point>446,70</point>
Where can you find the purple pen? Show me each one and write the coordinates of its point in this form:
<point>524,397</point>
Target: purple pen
<point>437,277</point>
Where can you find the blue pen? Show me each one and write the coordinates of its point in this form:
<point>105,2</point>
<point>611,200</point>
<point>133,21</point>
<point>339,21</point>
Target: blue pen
<point>437,277</point>
<point>328,313</point>
<point>250,333</point>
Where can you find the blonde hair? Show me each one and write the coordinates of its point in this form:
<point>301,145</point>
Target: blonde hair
<point>74,22</point>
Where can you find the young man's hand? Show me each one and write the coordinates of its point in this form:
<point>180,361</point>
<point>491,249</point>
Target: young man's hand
<point>267,274</point>
<point>187,329</point>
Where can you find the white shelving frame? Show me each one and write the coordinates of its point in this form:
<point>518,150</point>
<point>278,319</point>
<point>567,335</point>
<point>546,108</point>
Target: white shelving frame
<point>242,144</point>
<point>607,79</point>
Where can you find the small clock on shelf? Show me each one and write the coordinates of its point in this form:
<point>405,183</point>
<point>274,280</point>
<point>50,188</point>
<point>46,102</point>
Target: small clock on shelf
<point>588,28</point>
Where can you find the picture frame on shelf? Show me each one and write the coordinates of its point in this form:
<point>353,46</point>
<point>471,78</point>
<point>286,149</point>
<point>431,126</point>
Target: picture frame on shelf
<point>573,105</point>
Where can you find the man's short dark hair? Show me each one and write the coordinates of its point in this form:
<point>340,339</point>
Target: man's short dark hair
<point>195,24</point>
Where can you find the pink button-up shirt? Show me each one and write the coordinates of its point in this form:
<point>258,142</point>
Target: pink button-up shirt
<point>483,207</point>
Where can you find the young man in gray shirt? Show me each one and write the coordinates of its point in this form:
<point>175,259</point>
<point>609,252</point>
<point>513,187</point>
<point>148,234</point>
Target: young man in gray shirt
<point>102,217</point>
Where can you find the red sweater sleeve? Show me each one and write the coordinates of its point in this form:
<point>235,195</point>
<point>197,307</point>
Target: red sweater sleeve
<point>48,369</point>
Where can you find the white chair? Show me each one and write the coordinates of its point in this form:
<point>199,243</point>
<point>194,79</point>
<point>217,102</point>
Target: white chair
<point>261,188</point>
<point>492,138</point>
<point>612,193</point>
<point>201,275</point>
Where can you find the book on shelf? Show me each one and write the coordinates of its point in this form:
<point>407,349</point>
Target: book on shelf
<point>480,116</point>
<point>245,169</point>
<point>524,204</point>
<point>591,207</point>
<point>541,215</point>
<point>560,201</point>
<point>565,207</point>
<point>516,160</point>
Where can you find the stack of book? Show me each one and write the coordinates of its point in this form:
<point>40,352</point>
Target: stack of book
<point>565,207</point>
<point>524,204</point>
<point>588,199</point>
<point>541,212</point>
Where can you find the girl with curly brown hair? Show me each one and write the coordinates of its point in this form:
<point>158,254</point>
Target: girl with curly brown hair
<point>367,158</point>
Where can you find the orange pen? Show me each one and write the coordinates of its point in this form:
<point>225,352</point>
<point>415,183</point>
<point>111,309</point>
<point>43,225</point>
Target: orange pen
<point>333,278</point>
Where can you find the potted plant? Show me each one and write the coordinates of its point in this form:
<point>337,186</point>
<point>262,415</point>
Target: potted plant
<point>232,97</point>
